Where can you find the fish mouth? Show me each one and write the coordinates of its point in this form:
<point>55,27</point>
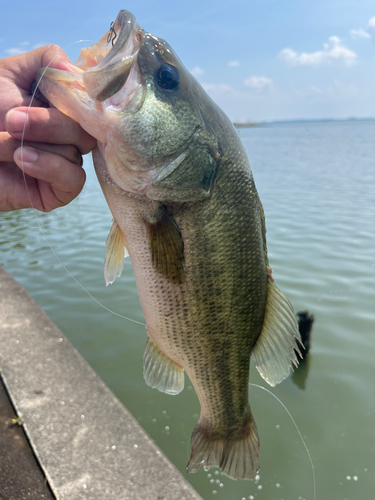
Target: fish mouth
<point>105,73</point>
<point>107,64</point>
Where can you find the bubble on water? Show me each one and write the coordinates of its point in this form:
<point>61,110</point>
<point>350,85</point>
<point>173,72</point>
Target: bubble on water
<point>212,481</point>
<point>217,472</point>
<point>113,447</point>
<point>355,478</point>
<point>17,341</point>
<point>60,339</point>
<point>84,486</point>
<point>164,412</point>
<point>62,403</point>
<point>166,428</point>
<point>366,469</point>
<point>251,497</point>
<point>278,485</point>
<point>209,475</point>
<point>82,416</point>
<point>348,478</point>
<point>154,420</point>
<point>221,485</point>
<point>135,446</point>
<point>217,481</point>
<point>260,487</point>
<point>214,492</point>
<point>277,426</point>
<point>257,477</point>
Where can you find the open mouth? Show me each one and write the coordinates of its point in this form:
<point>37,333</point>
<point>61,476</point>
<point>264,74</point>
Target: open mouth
<point>108,62</point>
<point>106,72</point>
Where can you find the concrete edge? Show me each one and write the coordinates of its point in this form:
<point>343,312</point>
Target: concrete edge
<point>86,441</point>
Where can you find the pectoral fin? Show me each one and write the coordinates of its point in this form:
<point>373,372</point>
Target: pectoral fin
<point>116,253</point>
<point>274,353</point>
<point>166,246</point>
<point>160,372</point>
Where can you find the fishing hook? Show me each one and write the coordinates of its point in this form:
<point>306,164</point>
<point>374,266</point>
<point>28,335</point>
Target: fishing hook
<point>111,33</point>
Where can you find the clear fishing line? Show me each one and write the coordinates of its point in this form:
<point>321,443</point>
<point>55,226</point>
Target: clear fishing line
<point>296,426</point>
<point>35,214</point>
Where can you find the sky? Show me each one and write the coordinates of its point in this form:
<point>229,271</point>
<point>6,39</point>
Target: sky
<point>259,60</point>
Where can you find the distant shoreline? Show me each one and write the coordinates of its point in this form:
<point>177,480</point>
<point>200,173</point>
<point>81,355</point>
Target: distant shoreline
<point>244,124</point>
<point>316,120</point>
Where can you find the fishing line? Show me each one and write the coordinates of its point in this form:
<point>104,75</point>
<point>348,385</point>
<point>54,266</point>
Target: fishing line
<point>34,210</point>
<point>296,426</point>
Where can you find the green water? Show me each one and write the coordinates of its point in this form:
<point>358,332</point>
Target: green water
<point>317,185</point>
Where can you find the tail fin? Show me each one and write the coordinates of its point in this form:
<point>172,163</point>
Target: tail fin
<point>236,454</point>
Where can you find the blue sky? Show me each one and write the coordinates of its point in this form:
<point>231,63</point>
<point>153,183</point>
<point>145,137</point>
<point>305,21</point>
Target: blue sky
<point>259,60</point>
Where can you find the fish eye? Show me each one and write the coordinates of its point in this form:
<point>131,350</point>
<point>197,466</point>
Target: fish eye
<point>167,77</point>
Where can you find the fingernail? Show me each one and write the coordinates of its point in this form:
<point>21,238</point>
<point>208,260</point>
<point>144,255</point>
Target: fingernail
<point>28,155</point>
<point>16,121</point>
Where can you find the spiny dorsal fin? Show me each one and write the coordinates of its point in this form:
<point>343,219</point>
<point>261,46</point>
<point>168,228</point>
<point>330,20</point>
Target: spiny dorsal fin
<point>160,372</point>
<point>116,253</point>
<point>274,353</point>
<point>166,246</point>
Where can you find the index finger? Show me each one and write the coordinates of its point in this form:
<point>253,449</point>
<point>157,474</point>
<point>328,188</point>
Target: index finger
<point>23,68</point>
<point>47,125</point>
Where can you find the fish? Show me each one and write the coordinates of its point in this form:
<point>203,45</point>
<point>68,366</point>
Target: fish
<point>186,210</point>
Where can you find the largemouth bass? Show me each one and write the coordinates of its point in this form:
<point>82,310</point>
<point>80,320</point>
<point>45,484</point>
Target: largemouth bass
<point>185,208</point>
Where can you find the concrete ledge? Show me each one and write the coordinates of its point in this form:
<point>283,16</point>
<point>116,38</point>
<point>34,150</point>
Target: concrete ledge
<point>88,445</point>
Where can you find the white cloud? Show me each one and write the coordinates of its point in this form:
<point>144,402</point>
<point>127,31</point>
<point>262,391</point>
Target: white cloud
<point>22,47</point>
<point>218,87</point>
<point>39,44</point>
<point>329,93</point>
<point>197,71</point>
<point>233,64</point>
<point>368,32</point>
<point>371,26</point>
<point>360,33</point>
<point>258,82</point>
<point>13,51</point>
<point>332,52</point>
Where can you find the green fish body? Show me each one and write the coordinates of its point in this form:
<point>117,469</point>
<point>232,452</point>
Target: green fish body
<point>179,185</point>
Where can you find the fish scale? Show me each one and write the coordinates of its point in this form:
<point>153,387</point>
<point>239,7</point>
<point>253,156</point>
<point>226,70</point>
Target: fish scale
<point>179,185</point>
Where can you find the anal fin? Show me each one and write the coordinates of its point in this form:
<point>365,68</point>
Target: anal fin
<point>274,352</point>
<point>116,253</point>
<point>160,372</point>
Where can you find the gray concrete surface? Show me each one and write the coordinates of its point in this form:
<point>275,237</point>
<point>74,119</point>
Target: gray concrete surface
<point>88,445</point>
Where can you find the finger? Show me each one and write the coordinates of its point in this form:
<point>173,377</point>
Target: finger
<point>25,66</point>
<point>66,178</point>
<point>8,146</point>
<point>47,125</point>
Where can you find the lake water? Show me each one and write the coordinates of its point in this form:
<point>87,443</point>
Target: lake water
<point>317,185</point>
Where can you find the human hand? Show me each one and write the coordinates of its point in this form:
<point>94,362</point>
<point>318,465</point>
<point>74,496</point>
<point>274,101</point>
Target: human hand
<point>47,172</point>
